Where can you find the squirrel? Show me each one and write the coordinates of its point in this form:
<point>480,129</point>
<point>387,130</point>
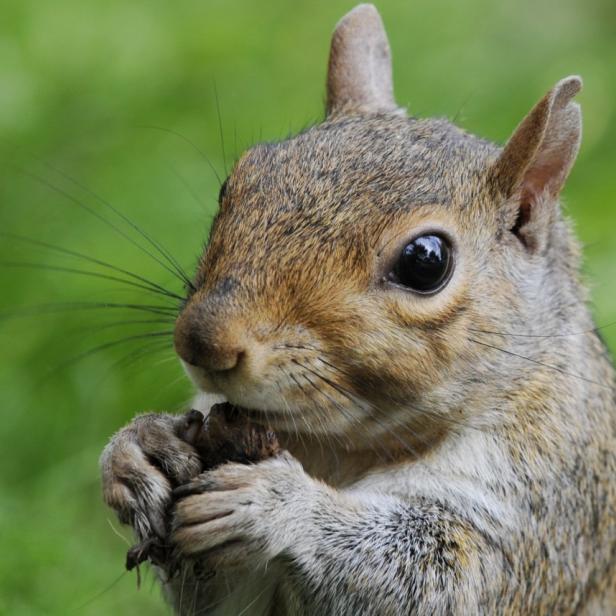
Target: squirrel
<point>400,301</point>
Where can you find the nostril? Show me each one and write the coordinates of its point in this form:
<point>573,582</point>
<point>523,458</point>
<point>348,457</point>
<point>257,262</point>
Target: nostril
<point>224,360</point>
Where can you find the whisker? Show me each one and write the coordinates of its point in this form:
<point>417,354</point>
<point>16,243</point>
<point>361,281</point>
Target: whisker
<point>373,408</point>
<point>385,455</point>
<point>309,398</point>
<point>173,357</point>
<point>318,414</point>
<point>299,347</point>
<point>129,360</point>
<point>107,345</point>
<point>406,446</point>
<point>182,582</point>
<point>114,324</point>
<point>135,354</point>
<point>91,274</point>
<point>539,363</point>
<point>412,407</point>
<point>331,440</point>
<point>98,595</point>
<point>189,189</point>
<point>73,253</point>
<point>170,131</point>
<point>72,199</point>
<point>193,607</point>
<point>288,412</point>
<point>348,416</point>
<point>333,385</point>
<point>593,330</point>
<point>465,102</point>
<point>338,407</point>
<point>154,243</point>
<point>167,386</point>
<point>56,308</point>
<point>220,129</point>
<point>431,415</point>
<point>266,588</point>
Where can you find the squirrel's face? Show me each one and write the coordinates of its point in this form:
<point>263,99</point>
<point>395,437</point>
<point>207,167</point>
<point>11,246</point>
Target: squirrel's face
<point>348,267</point>
<point>304,301</point>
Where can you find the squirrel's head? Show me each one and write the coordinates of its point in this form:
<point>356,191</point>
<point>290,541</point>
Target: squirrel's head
<point>353,271</point>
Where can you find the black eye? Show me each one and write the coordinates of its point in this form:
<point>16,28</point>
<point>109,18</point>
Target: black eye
<point>424,265</point>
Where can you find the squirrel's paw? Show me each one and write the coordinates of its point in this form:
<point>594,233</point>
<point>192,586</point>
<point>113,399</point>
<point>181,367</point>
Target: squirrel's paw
<point>238,514</point>
<point>141,465</point>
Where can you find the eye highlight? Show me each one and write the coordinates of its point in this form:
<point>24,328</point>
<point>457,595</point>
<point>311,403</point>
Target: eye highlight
<point>425,264</point>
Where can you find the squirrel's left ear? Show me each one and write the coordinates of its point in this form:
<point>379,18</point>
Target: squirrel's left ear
<point>536,161</point>
<point>359,74</point>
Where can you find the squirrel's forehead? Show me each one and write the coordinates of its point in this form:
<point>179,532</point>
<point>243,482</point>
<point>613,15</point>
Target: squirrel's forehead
<point>405,159</point>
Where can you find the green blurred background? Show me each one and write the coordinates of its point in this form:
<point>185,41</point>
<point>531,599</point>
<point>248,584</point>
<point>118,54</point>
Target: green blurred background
<point>119,99</point>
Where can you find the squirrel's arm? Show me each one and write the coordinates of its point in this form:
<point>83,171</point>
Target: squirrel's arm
<point>340,552</point>
<point>377,554</point>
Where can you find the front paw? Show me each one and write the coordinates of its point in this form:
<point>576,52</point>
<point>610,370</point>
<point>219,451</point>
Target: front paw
<point>238,514</point>
<point>139,468</point>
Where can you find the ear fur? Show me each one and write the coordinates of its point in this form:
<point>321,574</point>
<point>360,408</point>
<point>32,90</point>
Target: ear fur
<point>533,167</point>
<point>359,78</point>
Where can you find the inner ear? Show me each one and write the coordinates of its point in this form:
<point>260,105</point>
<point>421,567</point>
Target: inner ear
<point>521,223</point>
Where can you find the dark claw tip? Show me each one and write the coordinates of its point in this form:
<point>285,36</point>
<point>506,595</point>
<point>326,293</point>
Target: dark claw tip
<point>152,549</point>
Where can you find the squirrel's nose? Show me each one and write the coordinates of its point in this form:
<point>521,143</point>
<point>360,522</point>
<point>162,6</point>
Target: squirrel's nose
<point>217,357</point>
<point>214,344</point>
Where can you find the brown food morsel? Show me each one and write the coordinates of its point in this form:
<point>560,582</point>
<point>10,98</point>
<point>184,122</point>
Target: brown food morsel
<point>227,434</point>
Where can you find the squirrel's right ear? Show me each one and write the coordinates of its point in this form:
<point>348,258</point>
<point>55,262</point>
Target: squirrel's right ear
<point>533,166</point>
<point>359,75</point>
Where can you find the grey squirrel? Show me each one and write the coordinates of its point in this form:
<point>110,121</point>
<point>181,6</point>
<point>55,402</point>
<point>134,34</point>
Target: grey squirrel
<point>400,302</point>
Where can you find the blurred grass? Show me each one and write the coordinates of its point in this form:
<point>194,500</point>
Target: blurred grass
<point>92,89</point>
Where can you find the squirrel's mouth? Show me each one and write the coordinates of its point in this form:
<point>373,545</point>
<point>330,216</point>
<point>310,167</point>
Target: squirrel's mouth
<point>234,408</point>
<point>233,412</point>
<point>225,412</point>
